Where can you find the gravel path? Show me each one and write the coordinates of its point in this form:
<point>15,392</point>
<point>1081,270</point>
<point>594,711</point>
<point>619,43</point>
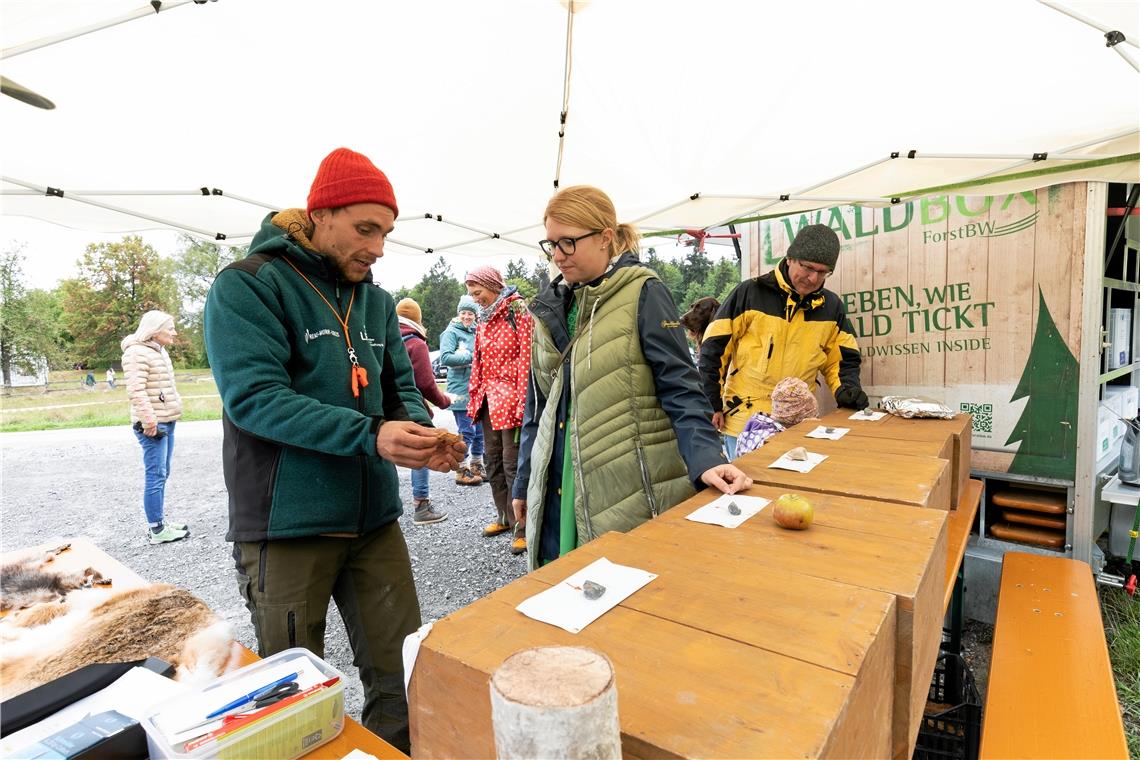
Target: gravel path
<point>65,483</point>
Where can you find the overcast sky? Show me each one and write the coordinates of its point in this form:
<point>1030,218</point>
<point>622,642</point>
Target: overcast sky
<point>51,253</point>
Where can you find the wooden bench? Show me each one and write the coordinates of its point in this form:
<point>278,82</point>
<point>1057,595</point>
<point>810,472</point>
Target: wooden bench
<point>1051,691</point>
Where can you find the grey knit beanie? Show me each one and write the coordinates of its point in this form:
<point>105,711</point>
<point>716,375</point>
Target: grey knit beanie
<point>816,243</point>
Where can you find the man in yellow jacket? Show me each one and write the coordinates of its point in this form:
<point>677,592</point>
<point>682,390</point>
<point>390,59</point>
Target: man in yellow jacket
<point>781,324</point>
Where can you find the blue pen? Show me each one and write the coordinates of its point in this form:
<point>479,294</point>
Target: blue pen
<point>251,696</point>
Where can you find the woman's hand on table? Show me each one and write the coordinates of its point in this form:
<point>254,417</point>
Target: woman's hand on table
<point>726,478</point>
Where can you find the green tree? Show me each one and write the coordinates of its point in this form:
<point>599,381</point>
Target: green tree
<point>528,280</point>
<point>438,295</point>
<point>669,273</point>
<point>695,269</point>
<point>117,282</point>
<point>29,322</point>
<point>195,267</point>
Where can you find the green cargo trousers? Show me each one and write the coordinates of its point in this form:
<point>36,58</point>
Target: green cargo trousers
<point>287,583</point>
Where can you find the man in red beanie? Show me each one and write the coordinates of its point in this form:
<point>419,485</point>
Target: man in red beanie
<point>319,404</point>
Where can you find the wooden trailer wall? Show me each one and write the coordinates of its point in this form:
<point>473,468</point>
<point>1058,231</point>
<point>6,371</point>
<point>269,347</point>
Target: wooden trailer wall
<point>975,301</point>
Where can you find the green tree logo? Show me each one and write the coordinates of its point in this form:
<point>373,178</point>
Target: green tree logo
<point>1047,426</point>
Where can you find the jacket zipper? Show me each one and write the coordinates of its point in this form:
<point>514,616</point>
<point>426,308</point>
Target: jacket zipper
<point>273,473</point>
<point>645,482</point>
<point>577,446</point>
<point>262,561</point>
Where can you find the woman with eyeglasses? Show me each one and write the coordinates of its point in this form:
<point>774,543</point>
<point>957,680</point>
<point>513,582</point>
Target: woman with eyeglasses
<point>616,429</point>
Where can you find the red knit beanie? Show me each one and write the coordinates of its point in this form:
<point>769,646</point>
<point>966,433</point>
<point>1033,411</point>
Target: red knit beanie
<point>346,177</point>
<point>487,277</point>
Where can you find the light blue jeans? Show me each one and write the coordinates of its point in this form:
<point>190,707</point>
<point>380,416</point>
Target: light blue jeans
<point>420,483</point>
<point>472,434</point>
<point>729,446</point>
<point>156,463</point>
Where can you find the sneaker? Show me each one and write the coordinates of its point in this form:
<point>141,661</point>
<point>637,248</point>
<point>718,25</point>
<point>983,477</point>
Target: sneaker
<point>466,477</point>
<point>518,546</point>
<point>479,471</point>
<point>167,534</point>
<point>177,526</point>
<point>495,529</point>
<point>425,515</point>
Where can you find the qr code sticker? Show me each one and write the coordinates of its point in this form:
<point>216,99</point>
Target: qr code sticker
<point>983,416</point>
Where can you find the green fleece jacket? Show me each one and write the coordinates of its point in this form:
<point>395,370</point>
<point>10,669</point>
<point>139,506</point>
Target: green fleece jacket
<point>299,450</point>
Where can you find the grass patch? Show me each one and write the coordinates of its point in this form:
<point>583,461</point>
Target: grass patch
<point>1122,628</point>
<point>65,405</point>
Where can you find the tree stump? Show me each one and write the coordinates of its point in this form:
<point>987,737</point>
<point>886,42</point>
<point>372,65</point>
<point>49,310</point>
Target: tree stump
<point>555,702</point>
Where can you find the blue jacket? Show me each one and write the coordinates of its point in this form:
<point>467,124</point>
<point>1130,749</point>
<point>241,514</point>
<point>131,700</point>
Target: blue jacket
<point>456,350</point>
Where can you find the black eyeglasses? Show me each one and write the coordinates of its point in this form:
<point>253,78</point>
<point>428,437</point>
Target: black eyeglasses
<point>567,244</point>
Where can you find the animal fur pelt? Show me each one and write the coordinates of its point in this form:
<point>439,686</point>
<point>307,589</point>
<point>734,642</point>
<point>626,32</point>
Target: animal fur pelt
<point>33,580</point>
<point>45,641</point>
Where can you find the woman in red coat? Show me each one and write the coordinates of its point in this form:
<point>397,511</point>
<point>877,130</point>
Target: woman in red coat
<point>498,388</point>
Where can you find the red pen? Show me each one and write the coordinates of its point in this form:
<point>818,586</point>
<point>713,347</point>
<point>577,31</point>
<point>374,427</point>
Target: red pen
<point>232,723</point>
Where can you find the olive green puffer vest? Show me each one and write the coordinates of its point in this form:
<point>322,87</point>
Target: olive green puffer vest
<point>627,465</point>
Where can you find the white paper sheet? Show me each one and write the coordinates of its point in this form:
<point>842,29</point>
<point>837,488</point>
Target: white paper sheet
<point>868,416</point>
<point>565,606</point>
<point>798,465</point>
<point>830,433</point>
<point>716,512</point>
<point>411,651</point>
<point>134,695</point>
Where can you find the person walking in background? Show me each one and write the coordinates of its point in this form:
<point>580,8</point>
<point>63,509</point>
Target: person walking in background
<point>414,335</point>
<point>110,378</point>
<point>696,319</point>
<point>498,389</point>
<point>155,408</point>
<point>616,428</point>
<point>89,381</point>
<point>319,406</point>
<point>456,352</point>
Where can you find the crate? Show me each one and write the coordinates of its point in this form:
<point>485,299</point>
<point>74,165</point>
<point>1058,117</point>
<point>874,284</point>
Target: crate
<point>950,732</point>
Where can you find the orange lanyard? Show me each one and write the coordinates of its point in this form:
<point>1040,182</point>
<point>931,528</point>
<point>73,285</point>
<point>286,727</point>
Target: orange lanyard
<point>359,376</point>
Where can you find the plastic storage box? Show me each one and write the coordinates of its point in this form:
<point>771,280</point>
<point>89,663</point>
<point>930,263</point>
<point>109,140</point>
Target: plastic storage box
<point>951,726</point>
<point>287,733</point>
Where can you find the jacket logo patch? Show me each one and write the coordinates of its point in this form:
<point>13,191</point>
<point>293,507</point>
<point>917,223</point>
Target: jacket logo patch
<point>667,324</point>
<point>310,336</point>
<point>364,337</point>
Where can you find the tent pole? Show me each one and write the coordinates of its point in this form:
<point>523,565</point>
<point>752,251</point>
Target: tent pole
<point>149,10</point>
<point>1084,19</point>
<point>809,188</point>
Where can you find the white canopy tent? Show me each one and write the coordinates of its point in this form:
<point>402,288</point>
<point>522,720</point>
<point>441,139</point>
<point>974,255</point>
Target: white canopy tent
<point>689,115</point>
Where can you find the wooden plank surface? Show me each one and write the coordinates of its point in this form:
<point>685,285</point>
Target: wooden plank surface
<point>938,447</point>
<point>876,545</point>
<point>897,478</point>
<point>1050,692</point>
<point>900,429</point>
<point>682,692</point>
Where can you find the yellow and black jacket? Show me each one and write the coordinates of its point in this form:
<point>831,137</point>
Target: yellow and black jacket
<point>765,332</point>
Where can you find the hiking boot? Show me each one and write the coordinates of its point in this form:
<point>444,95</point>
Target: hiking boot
<point>466,477</point>
<point>495,529</point>
<point>425,515</point>
<point>167,534</point>
<point>479,471</point>
<point>518,546</point>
